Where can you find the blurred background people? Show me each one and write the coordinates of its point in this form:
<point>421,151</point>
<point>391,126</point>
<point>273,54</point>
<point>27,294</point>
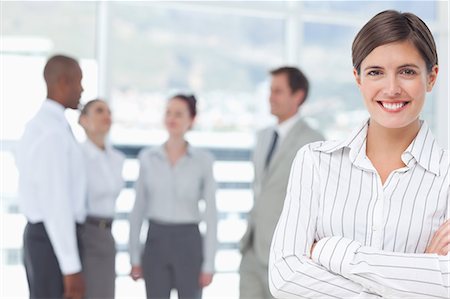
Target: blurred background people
<point>104,182</point>
<point>274,152</point>
<point>172,179</point>
<point>52,187</point>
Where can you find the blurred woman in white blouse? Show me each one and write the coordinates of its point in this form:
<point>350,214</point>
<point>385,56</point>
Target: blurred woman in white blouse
<point>104,183</point>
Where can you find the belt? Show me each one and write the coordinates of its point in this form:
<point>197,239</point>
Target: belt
<point>100,222</point>
<point>38,224</point>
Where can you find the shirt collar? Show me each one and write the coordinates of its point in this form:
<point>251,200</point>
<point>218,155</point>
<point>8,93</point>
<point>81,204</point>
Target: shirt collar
<point>354,141</point>
<point>93,150</point>
<point>161,150</point>
<point>423,149</point>
<point>284,127</point>
<point>55,108</point>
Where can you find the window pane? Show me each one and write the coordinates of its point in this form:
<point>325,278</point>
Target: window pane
<point>335,104</point>
<point>31,32</point>
<point>64,27</point>
<point>222,58</point>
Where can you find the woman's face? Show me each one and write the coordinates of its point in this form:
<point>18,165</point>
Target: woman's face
<point>393,80</point>
<point>97,119</point>
<point>178,119</point>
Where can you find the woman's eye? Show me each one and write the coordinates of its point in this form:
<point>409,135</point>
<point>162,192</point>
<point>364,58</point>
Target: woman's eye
<point>373,73</point>
<point>408,72</point>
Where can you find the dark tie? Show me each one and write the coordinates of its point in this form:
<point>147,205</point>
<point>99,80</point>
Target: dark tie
<point>272,148</point>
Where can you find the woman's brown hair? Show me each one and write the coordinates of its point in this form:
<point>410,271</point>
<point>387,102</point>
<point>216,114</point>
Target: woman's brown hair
<point>190,100</point>
<point>86,107</point>
<point>391,26</point>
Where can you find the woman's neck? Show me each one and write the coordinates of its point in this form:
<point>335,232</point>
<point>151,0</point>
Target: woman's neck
<point>98,140</point>
<point>385,147</point>
<point>176,148</point>
<point>394,141</point>
<point>176,143</point>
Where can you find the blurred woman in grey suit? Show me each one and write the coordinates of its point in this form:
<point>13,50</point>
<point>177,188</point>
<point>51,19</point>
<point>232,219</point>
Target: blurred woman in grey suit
<point>173,178</point>
<point>104,183</point>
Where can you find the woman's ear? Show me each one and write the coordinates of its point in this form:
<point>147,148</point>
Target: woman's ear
<point>431,77</point>
<point>357,77</point>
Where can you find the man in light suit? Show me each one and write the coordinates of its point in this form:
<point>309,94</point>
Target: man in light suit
<point>272,157</point>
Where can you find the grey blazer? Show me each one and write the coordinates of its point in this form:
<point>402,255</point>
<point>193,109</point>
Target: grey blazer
<point>270,185</point>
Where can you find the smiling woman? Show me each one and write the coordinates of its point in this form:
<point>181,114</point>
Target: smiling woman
<point>394,68</point>
<point>394,81</point>
<point>367,216</point>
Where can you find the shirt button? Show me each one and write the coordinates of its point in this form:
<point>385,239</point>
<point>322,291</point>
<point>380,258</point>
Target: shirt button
<point>374,228</point>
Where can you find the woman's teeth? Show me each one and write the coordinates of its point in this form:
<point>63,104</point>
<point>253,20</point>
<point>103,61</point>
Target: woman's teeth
<point>393,106</point>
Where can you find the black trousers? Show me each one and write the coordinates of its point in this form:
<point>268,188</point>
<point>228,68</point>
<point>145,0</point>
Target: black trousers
<point>44,275</point>
<point>172,259</point>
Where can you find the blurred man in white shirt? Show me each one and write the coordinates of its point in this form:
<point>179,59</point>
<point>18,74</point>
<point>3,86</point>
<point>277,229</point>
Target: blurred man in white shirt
<point>52,187</point>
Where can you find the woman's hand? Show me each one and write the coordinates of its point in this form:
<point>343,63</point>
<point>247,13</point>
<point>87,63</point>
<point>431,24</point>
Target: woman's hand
<point>136,272</point>
<point>440,243</point>
<point>205,279</point>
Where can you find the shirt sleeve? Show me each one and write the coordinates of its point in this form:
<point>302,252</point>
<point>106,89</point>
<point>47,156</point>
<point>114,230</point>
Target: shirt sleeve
<point>52,167</point>
<point>292,273</point>
<point>210,238</point>
<point>138,213</point>
<point>390,274</point>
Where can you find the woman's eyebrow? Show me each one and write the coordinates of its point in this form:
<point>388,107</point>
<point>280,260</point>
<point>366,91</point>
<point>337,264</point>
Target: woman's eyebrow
<point>401,66</point>
<point>372,67</point>
<point>409,65</point>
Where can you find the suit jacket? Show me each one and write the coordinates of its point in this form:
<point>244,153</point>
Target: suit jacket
<point>269,186</point>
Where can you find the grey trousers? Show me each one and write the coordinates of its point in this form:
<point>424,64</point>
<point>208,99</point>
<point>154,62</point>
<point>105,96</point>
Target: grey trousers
<point>172,259</point>
<point>99,258</point>
<point>253,281</point>
<point>44,275</point>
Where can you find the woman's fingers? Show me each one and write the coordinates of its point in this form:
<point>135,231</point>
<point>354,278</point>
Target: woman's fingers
<point>441,240</point>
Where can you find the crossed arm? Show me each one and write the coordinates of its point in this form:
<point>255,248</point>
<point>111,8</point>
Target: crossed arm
<point>342,268</point>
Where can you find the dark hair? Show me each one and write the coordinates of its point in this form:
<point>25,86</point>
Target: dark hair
<point>391,26</point>
<point>297,80</point>
<point>190,100</point>
<point>86,107</point>
<point>56,65</point>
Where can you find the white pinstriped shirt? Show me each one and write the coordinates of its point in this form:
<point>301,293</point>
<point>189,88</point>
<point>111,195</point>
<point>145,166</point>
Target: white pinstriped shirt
<point>372,236</point>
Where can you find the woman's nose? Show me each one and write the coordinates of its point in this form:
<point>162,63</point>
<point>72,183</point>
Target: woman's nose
<point>393,87</point>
